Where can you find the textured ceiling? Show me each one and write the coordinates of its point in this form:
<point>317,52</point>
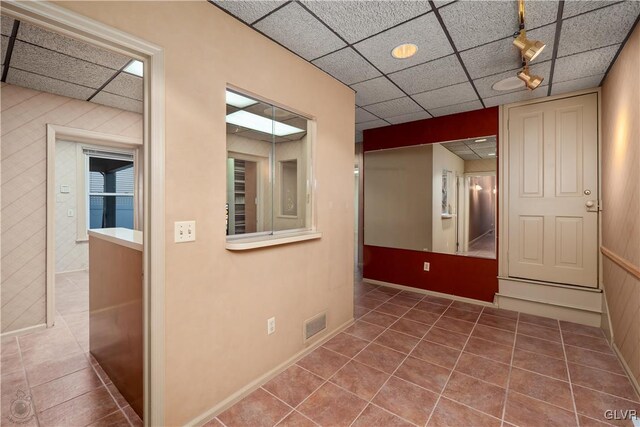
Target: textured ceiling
<point>46,61</point>
<point>464,47</point>
<point>473,149</point>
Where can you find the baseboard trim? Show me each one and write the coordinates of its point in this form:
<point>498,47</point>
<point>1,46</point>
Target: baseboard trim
<point>427,292</point>
<point>73,271</point>
<point>553,304</point>
<point>627,369</point>
<point>24,331</point>
<point>255,384</point>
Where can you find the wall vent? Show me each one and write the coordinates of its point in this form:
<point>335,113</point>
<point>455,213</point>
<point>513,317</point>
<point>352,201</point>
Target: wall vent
<point>314,326</point>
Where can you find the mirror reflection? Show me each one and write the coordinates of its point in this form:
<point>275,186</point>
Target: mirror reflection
<point>433,197</point>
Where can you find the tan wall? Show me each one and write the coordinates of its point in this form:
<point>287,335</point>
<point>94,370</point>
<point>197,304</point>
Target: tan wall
<point>483,165</point>
<point>481,207</point>
<point>218,301</point>
<point>621,196</point>
<point>444,229</point>
<point>25,114</point>
<point>397,198</point>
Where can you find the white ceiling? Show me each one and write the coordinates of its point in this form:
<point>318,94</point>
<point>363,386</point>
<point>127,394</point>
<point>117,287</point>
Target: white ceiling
<point>463,48</point>
<point>473,149</point>
<point>50,62</point>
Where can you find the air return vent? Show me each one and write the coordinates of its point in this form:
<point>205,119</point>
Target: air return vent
<point>314,326</point>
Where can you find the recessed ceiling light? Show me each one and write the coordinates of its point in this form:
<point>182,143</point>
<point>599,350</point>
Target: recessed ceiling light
<point>134,67</point>
<point>261,124</point>
<point>404,51</point>
<point>239,101</point>
<point>510,83</point>
<point>481,140</point>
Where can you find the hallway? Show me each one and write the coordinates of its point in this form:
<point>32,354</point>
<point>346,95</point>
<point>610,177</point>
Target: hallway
<point>416,360</point>
<point>53,366</point>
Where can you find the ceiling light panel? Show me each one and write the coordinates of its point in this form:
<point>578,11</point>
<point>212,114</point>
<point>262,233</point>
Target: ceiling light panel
<point>248,11</point>
<point>355,20</point>
<point>135,68</point>
<point>472,23</point>
<point>599,28</point>
<point>424,32</point>
<point>584,64</point>
<point>446,96</point>
<point>70,46</point>
<point>432,75</point>
<point>375,90</point>
<point>347,66</point>
<point>295,28</point>
<point>262,124</point>
<point>238,100</point>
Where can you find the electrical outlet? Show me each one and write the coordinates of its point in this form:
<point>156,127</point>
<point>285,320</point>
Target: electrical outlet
<point>184,231</point>
<point>426,266</point>
<point>271,325</point>
<point>70,212</point>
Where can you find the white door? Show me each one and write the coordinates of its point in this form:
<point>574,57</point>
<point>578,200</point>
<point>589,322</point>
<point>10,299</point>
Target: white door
<point>553,191</point>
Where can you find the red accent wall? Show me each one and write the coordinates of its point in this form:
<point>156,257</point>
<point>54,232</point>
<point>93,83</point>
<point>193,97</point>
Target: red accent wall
<point>451,274</point>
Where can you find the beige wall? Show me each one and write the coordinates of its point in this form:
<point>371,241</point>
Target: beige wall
<point>621,197</point>
<point>218,301</point>
<point>482,165</point>
<point>25,114</point>
<point>397,198</point>
<point>444,229</point>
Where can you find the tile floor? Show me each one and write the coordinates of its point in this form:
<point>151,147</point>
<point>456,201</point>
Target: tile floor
<point>66,386</point>
<point>415,360</point>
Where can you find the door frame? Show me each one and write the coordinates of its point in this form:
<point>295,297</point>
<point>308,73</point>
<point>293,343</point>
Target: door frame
<point>503,179</point>
<point>74,25</point>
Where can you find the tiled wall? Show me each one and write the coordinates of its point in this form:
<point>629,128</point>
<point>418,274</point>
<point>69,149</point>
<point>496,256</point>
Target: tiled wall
<point>25,114</point>
<point>621,197</point>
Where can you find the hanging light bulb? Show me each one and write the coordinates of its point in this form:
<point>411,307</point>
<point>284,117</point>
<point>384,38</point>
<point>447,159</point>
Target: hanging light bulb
<point>530,80</point>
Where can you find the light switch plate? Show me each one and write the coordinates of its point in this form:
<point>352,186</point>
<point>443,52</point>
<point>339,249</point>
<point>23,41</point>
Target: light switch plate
<point>184,231</point>
<point>65,189</point>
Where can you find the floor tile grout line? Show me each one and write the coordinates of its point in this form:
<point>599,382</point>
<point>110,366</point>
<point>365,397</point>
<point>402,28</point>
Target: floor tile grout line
<point>398,367</point>
<point>453,368</point>
<point>513,352</point>
<point>26,379</point>
<point>277,398</point>
<point>566,363</point>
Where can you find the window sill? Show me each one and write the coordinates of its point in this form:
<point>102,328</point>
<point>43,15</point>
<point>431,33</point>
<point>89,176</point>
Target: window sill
<point>274,240</point>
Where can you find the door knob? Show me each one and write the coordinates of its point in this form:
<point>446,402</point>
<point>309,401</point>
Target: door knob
<point>590,203</point>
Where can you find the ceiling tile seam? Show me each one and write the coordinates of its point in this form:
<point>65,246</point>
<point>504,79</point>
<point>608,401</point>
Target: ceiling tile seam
<point>275,41</point>
<point>116,74</point>
<point>53,78</point>
<point>455,51</point>
<point>504,38</point>
<point>7,58</point>
<point>363,57</point>
<point>511,70</point>
<point>615,57</point>
<point>592,50</point>
<point>556,42</point>
<point>122,96</point>
<point>393,26</point>
<point>374,114</point>
<point>285,4</point>
<point>593,10</point>
<point>67,55</point>
<point>576,78</point>
<point>420,64</point>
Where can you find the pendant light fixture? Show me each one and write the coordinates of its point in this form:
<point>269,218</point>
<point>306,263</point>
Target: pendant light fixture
<point>529,50</point>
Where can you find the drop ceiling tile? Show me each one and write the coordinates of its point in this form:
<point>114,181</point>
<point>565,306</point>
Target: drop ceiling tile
<point>458,108</point>
<point>298,30</point>
<point>576,7</point>
<point>6,25</point>
<point>375,90</point>
<point>395,107</point>
<point>432,75</point>
<point>602,27</point>
<point>584,64</point>
<point>440,3</point>
<point>347,66</point>
<point>450,95</point>
<point>472,23</point>
<point>425,32</point>
<point>484,85</point>
<point>52,64</point>
<point>421,115</point>
<point>502,55</point>
<point>72,47</point>
<point>363,115</point>
<point>117,101</point>
<point>248,11</point>
<point>5,43</point>
<point>370,125</point>
<point>577,84</point>
<point>355,20</point>
<point>509,98</point>
<point>126,84</point>
<point>46,84</point>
